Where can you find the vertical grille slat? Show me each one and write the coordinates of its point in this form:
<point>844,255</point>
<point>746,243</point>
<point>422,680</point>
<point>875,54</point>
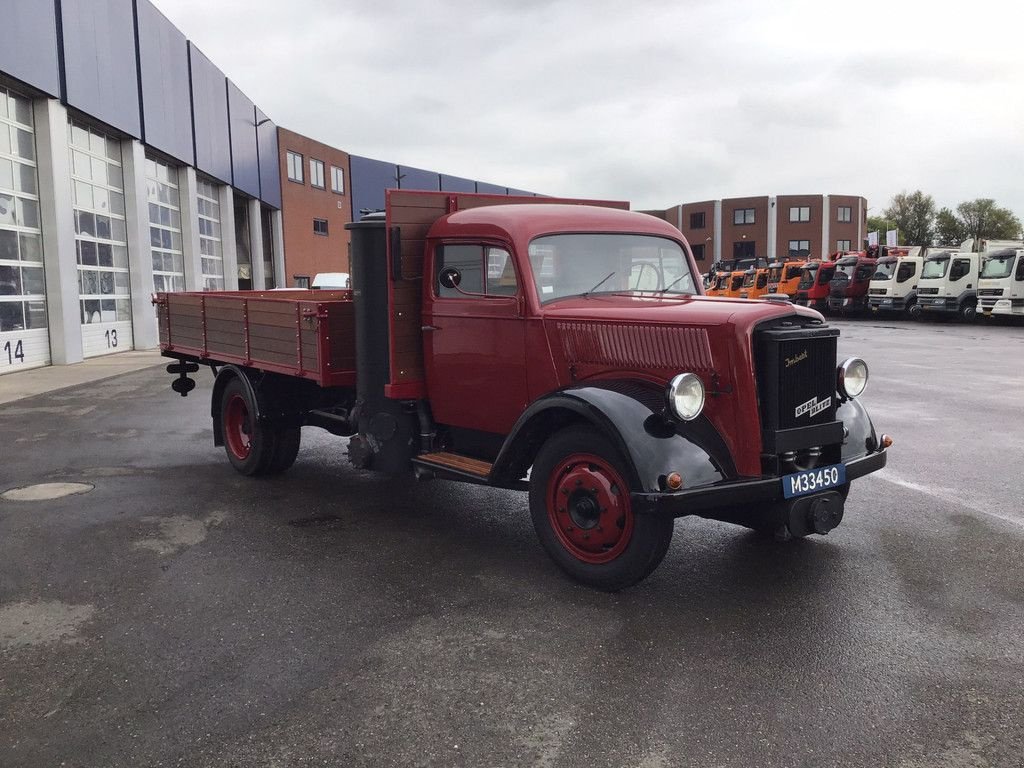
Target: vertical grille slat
<point>671,348</point>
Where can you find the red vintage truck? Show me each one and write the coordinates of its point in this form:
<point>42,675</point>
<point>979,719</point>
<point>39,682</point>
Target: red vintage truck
<point>549,346</point>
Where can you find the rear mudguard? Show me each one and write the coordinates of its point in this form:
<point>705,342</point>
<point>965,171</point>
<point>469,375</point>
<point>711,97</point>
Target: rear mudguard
<point>630,414</point>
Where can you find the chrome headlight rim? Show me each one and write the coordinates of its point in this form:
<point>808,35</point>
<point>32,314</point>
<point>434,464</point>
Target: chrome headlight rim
<point>675,389</point>
<point>844,378</point>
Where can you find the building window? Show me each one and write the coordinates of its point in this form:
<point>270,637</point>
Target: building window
<point>295,167</point>
<point>316,173</point>
<point>320,227</point>
<point>301,281</point>
<point>842,245</point>
<point>800,248</point>
<point>165,226</point>
<point>743,216</point>
<point>697,220</point>
<point>337,180</point>
<point>844,213</point>
<point>698,251</point>
<point>800,213</point>
<point>211,250</point>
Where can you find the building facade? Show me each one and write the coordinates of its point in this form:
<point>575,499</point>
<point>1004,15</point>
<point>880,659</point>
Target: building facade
<point>772,227</point>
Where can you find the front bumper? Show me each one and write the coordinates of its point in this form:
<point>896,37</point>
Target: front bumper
<point>888,303</point>
<point>739,493</point>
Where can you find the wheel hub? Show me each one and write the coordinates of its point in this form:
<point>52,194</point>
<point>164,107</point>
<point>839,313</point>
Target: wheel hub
<point>589,507</point>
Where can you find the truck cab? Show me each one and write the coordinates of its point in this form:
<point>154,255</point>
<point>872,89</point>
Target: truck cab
<point>755,283</point>
<point>1001,283</point>
<point>784,277</point>
<point>813,287</point>
<point>848,289</point>
<point>949,284</point>
<point>893,286</point>
<point>560,348</point>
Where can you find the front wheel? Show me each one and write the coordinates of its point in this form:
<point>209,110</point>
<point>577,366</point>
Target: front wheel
<point>914,310</point>
<point>968,312</point>
<point>582,512</point>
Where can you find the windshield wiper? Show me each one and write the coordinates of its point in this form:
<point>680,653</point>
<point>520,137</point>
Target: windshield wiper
<point>673,283</point>
<point>603,280</point>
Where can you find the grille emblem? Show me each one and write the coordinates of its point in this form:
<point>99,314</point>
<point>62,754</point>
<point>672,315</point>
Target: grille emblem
<point>791,361</point>
<point>812,407</point>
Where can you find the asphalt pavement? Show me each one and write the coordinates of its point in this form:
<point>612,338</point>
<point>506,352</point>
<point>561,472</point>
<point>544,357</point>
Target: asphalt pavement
<point>171,612</point>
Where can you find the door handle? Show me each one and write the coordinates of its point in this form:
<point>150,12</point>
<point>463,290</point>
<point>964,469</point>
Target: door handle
<point>430,328</point>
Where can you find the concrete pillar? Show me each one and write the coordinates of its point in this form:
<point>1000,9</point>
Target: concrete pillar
<point>60,263</point>
<point>861,234</point>
<point>259,277</point>
<point>140,260</point>
<point>227,237</point>
<point>277,225</point>
<point>188,191</point>
<point>718,230</point>
<point>826,226</point>
<point>773,228</point>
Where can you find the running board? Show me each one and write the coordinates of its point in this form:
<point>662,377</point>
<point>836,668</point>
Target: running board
<point>455,466</point>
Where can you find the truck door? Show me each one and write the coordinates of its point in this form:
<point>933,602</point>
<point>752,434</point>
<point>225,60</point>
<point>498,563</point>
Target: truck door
<point>474,338</point>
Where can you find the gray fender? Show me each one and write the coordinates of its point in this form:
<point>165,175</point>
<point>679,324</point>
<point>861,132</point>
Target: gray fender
<point>627,413</point>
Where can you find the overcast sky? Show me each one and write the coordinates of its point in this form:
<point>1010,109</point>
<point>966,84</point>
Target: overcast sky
<point>653,102</point>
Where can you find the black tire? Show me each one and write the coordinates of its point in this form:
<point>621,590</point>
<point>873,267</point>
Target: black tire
<point>249,444</point>
<point>968,312</point>
<point>287,441</point>
<point>913,310</point>
<point>581,465</point>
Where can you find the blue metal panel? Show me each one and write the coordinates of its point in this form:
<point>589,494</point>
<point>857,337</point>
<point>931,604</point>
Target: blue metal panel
<point>210,116</point>
<point>456,184</point>
<point>417,178</point>
<point>166,103</point>
<point>521,192</point>
<point>369,180</point>
<point>100,71</point>
<point>28,50</point>
<point>270,162</point>
<point>245,160</point>
<point>491,189</point>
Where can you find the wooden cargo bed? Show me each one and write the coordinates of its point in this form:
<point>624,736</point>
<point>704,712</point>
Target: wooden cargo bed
<point>308,334</point>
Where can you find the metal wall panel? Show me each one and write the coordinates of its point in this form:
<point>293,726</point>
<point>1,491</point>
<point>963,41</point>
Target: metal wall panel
<point>369,180</point>
<point>521,192</point>
<point>210,116</point>
<point>29,47</point>
<point>491,189</point>
<point>270,166</point>
<point>245,161</point>
<point>166,102</point>
<point>417,178</point>
<point>100,70</point>
<point>456,184</point>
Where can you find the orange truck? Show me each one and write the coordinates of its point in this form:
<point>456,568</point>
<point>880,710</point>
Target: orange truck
<point>784,277</point>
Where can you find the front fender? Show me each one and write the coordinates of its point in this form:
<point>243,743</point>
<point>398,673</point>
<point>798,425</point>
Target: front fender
<point>629,414</point>
<point>860,432</point>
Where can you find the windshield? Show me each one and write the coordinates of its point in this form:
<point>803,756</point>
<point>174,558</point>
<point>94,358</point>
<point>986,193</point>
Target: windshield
<point>846,269</point>
<point>934,268</point>
<point>998,266</point>
<point>574,265</point>
<point>885,270</point>
<point>792,272</point>
<point>825,274</point>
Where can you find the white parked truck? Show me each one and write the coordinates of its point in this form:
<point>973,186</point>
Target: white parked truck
<point>893,287</point>
<point>1001,284</point>
<point>949,283</point>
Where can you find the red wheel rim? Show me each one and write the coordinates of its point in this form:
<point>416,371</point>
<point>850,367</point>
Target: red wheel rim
<point>237,428</point>
<point>589,508</point>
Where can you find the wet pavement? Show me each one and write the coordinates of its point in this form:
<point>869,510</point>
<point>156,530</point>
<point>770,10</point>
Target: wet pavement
<point>180,614</point>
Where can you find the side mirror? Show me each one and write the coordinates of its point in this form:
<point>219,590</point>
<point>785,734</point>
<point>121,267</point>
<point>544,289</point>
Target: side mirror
<point>450,277</point>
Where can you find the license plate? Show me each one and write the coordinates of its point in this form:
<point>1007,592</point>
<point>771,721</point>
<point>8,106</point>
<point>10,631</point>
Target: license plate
<point>813,480</point>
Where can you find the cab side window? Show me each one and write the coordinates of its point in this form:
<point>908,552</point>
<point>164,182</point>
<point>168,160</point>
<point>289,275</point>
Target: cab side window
<point>484,270</point>
<point>906,271</point>
<point>960,268</point>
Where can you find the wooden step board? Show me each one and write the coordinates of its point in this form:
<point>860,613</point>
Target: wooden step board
<point>455,462</point>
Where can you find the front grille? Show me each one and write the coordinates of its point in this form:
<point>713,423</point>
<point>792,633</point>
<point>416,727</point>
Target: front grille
<point>877,291</point>
<point>928,291</point>
<point>990,291</point>
<point>796,373</point>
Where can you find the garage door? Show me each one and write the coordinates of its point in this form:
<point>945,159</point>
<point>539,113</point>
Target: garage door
<point>100,241</point>
<point>24,341</point>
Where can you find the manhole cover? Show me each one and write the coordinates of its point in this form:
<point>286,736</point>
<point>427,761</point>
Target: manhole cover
<point>45,491</point>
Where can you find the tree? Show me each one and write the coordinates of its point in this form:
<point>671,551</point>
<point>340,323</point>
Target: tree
<point>913,213</point>
<point>881,225</point>
<point>982,219</point>
<point>949,228</point>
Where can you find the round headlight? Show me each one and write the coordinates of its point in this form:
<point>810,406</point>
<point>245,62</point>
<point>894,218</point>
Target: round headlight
<point>686,396</point>
<point>853,377</point>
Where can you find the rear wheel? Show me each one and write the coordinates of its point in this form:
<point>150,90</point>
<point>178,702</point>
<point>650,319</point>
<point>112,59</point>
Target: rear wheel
<point>253,447</point>
<point>582,512</point>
